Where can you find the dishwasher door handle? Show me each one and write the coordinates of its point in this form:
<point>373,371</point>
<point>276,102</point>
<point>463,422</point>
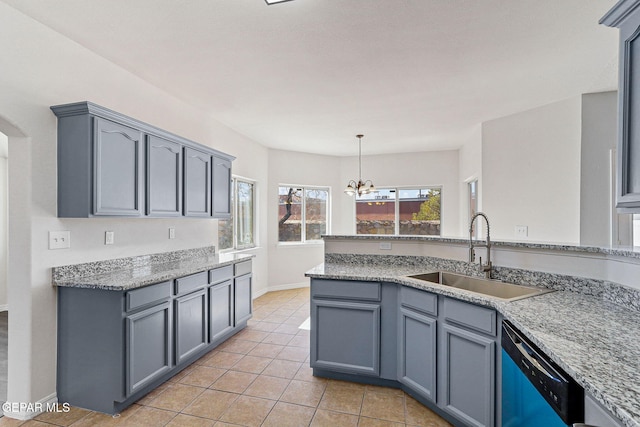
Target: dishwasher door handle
<point>526,353</point>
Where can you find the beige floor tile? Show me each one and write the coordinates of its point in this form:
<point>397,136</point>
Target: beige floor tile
<point>337,384</point>
<point>282,369</point>
<point>304,393</point>
<point>203,376</point>
<point>148,417</point>
<point>275,319</point>
<point>186,371</point>
<point>154,393</point>
<point>252,364</point>
<point>287,329</point>
<point>324,418</point>
<point>10,422</point>
<point>97,419</point>
<point>372,422</point>
<point>35,423</point>
<point>304,333</point>
<point>267,387</point>
<point>386,391</point>
<point>63,418</point>
<point>288,415</point>
<point>210,404</point>
<point>296,354</point>
<point>419,415</point>
<point>248,411</point>
<point>266,350</point>
<point>176,397</point>
<point>300,341</point>
<point>222,359</point>
<point>264,326</point>
<point>234,381</point>
<point>305,373</point>
<point>251,335</point>
<point>188,421</point>
<point>237,346</point>
<point>342,400</point>
<point>276,338</point>
<point>384,407</point>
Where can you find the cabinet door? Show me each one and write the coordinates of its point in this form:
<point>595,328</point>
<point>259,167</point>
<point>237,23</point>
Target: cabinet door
<point>345,336</point>
<point>164,177</point>
<point>221,315</point>
<point>417,353</point>
<point>243,302</point>
<point>149,346</point>
<point>197,183</point>
<point>468,376</point>
<point>191,324</point>
<point>221,187</point>
<point>117,181</point>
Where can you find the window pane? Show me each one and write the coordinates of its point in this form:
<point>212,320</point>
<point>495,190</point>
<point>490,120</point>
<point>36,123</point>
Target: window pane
<point>376,212</point>
<point>225,226</point>
<point>315,213</point>
<point>244,232</point>
<point>420,211</point>
<point>289,214</point>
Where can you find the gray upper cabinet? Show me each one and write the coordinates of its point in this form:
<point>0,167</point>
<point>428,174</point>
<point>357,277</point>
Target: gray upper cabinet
<point>197,183</point>
<point>625,15</point>
<point>164,177</point>
<point>221,187</point>
<point>105,168</point>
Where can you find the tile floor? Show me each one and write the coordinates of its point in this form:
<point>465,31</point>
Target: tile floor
<point>260,377</point>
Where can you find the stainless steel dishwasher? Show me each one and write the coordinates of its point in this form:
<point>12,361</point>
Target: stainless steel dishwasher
<point>535,391</point>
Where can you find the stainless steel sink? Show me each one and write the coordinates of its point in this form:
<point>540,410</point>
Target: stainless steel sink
<point>494,288</point>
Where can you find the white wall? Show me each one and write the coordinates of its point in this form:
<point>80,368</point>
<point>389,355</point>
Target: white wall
<point>288,262</point>
<point>4,152</point>
<point>41,68</point>
<point>599,133</point>
<point>434,168</point>
<point>531,173</point>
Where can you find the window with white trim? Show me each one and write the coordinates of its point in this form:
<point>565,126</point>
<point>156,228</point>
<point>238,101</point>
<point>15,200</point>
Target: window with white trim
<point>303,213</point>
<point>400,211</point>
<point>238,232</point>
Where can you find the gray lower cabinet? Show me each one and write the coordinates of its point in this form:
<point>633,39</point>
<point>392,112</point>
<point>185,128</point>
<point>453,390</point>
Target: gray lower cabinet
<point>467,361</point>
<point>164,177</point>
<point>221,174</point>
<point>417,353</point>
<point>191,324</point>
<point>197,183</point>
<point>116,346</point>
<point>148,335</point>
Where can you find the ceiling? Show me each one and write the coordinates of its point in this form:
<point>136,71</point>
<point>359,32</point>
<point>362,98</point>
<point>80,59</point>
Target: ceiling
<point>308,75</point>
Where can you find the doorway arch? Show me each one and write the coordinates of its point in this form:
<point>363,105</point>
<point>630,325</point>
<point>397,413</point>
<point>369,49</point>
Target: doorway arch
<point>19,294</point>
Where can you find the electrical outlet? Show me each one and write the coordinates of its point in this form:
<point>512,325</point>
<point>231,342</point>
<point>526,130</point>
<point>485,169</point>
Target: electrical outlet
<point>522,231</point>
<point>386,246</point>
<point>172,233</point>
<point>109,237</point>
<point>59,239</point>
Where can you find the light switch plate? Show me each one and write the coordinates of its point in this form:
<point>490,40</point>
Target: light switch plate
<point>172,233</point>
<point>522,231</point>
<point>385,246</point>
<point>59,239</point>
<point>109,237</point>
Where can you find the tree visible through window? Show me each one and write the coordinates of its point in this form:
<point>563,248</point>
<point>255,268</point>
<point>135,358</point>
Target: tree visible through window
<point>404,211</point>
<point>302,213</point>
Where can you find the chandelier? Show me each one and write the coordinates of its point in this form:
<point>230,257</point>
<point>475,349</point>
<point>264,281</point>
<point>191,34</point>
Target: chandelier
<point>359,187</point>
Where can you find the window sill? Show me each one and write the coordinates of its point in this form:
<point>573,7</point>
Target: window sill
<point>299,244</point>
<point>238,251</point>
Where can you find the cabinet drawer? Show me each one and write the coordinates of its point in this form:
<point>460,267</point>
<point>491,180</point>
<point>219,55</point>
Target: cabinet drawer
<point>220,274</point>
<point>419,300</point>
<point>191,283</point>
<point>345,289</point>
<point>242,268</point>
<point>472,316</point>
<point>147,295</point>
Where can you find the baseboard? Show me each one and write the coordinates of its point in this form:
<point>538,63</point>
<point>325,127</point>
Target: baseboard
<point>4,307</point>
<point>27,410</point>
<point>280,288</point>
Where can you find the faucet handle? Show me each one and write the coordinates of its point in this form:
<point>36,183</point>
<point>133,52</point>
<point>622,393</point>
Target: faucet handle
<point>472,255</point>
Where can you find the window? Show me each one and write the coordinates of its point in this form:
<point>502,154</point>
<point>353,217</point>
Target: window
<point>238,232</point>
<point>472,187</point>
<point>303,213</point>
<point>404,211</point>
<point>636,229</point>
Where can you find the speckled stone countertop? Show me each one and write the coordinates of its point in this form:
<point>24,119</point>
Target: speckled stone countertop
<point>594,340</point>
<point>134,272</point>
<point>628,252</point>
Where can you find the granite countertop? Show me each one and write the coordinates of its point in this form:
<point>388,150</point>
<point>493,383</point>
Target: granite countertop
<point>93,276</point>
<point>595,341</point>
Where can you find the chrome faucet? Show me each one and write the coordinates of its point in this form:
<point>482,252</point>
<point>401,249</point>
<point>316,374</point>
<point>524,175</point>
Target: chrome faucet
<point>486,268</point>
